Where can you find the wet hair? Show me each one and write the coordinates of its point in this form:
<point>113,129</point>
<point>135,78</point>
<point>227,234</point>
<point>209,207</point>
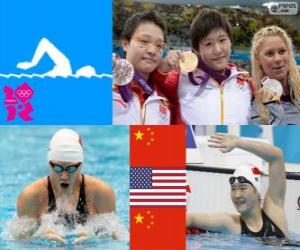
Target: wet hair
<point>140,18</point>
<point>206,21</point>
<point>257,71</point>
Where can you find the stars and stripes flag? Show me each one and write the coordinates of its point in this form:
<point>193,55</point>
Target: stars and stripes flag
<point>157,186</point>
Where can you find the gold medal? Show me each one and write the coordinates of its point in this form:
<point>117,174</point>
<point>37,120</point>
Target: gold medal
<point>123,72</point>
<point>190,62</point>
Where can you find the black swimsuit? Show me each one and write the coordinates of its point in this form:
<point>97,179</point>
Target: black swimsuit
<point>70,219</point>
<point>268,228</point>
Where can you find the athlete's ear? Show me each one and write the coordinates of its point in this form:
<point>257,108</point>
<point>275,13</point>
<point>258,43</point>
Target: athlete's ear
<point>125,44</point>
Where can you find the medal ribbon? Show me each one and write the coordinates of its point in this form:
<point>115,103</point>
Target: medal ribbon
<point>207,72</point>
<point>126,90</point>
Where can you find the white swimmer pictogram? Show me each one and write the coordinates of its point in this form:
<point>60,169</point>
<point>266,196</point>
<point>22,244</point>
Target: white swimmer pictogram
<point>62,65</point>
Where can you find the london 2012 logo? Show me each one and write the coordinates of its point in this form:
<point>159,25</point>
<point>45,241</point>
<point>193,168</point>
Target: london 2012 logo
<point>17,102</point>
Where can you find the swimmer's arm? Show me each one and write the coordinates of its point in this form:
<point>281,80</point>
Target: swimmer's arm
<point>28,204</point>
<point>167,83</point>
<point>104,198</point>
<point>227,142</point>
<point>28,208</point>
<point>211,222</point>
<point>268,152</point>
<point>277,176</point>
<point>105,202</point>
<point>277,181</point>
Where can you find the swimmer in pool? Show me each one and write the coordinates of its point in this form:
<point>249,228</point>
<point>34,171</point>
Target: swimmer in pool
<point>254,219</point>
<point>74,196</point>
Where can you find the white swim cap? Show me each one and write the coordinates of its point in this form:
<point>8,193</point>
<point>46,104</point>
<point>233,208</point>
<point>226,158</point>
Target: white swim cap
<point>65,145</point>
<point>252,174</point>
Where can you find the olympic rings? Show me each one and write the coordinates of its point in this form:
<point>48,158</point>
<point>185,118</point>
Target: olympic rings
<point>24,93</point>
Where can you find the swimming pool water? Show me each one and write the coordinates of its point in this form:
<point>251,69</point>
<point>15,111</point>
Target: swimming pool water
<point>230,241</point>
<point>23,151</point>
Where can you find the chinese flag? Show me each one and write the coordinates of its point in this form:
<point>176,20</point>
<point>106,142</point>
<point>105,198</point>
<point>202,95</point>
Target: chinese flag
<point>157,228</point>
<point>157,146</point>
<point>160,226</point>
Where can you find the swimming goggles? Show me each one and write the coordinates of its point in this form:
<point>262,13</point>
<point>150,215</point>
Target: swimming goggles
<point>59,169</point>
<point>241,179</point>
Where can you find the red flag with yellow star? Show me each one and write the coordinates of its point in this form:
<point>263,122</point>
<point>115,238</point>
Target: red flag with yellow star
<point>157,188</point>
<point>157,228</point>
<point>157,146</point>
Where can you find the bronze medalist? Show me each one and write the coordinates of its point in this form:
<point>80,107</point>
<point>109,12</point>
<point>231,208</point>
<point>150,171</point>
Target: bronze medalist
<point>122,72</point>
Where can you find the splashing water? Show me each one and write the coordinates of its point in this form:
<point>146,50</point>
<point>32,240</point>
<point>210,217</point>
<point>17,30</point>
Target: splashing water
<point>98,226</point>
<point>19,228</point>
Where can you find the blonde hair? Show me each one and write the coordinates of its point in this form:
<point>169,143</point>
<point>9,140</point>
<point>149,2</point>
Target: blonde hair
<point>257,71</point>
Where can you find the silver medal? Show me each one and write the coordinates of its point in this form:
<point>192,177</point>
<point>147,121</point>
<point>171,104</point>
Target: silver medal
<point>123,72</point>
<point>273,85</point>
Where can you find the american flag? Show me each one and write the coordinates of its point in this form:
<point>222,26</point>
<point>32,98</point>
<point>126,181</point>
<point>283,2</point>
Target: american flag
<point>157,186</point>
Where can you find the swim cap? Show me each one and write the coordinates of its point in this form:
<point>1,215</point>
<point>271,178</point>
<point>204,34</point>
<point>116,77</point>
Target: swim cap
<point>252,174</point>
<point>65,145</point>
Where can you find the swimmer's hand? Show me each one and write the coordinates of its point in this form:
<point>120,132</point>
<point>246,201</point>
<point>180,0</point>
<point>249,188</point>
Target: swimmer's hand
<point>266,95</point>
<point>225,143</point>
<point>82,237</point>
<point>24,65</point>
<point>171,61</point>
<point>52,236</point>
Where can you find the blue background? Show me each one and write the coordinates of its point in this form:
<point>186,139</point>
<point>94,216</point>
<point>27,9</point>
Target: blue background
<point>82,30</point>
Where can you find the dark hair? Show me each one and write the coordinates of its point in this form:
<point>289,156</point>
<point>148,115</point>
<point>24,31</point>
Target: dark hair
<point>206,21</point>
<point>143,17</point>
